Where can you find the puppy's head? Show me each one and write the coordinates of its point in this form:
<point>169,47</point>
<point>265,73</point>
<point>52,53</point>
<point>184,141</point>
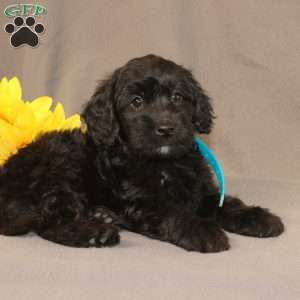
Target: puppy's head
<point>152,105</point>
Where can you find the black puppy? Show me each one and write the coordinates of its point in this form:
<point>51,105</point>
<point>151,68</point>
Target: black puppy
<point>136,168</point>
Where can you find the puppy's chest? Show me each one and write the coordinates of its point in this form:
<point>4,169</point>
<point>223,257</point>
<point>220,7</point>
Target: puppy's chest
<point>157,181</point>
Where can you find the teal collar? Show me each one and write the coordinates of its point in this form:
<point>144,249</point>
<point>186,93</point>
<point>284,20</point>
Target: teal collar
<point>215,165</point>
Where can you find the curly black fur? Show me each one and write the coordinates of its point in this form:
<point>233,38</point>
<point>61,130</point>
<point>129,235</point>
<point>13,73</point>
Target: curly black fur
<point>137,168</point>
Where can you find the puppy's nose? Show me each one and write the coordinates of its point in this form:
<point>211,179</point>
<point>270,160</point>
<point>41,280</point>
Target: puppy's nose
<point>165,130</point>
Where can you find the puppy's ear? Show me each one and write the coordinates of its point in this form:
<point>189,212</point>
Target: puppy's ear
<point>99,114</point>
<point>204,115</point>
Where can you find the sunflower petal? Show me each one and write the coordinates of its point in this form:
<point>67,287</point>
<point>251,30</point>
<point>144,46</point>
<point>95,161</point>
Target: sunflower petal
<point>25,118</point>
<point>58,117</point>
<point>15,89</point>
<point>72,122</point>
<point>40,107</point>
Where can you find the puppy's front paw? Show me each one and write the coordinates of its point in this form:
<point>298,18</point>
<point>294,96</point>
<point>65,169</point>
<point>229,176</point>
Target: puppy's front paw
<point>106,235</point>
<point>252,221</point>
<point>204,236</point>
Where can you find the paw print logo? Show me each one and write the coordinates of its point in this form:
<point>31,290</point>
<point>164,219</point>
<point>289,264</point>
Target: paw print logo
<point>24,31</point>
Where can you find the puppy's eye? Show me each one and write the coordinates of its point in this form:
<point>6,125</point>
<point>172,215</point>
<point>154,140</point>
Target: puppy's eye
<point>137,102</point>
<point>177,98</point>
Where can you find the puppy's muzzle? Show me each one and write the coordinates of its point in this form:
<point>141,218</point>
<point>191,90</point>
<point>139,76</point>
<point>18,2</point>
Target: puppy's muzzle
<point>165,130</point>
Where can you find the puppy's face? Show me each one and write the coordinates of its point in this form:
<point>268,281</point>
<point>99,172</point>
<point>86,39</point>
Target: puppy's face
<point>153,105</point>
<point>155,109</point>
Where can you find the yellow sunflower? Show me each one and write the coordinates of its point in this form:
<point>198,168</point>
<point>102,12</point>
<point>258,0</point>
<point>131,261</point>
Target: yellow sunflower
<point>22,121</point>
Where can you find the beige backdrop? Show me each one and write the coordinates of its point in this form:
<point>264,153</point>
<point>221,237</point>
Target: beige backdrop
<point>246,54</point>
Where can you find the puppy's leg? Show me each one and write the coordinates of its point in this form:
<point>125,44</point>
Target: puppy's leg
<point>201,235</point>
<point>180,227</point>
<point>82,233</point>
<point>255,221</point>
<point>65,219</point>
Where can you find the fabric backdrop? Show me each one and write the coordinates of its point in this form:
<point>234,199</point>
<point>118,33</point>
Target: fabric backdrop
<point>246,54</point>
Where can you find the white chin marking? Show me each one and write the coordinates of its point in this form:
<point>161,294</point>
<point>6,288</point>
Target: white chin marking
<point>164,149</point>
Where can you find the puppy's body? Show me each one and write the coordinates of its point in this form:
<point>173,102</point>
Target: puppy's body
<point>136,168</point>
